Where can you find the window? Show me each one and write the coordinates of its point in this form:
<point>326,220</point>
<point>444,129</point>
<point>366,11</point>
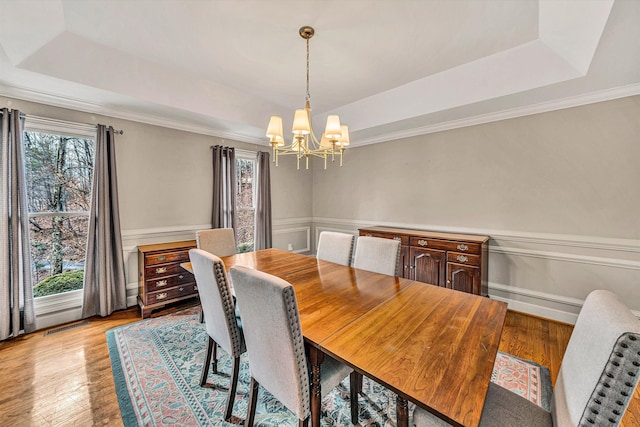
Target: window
<point>245,200</point>
<point>59,170</point>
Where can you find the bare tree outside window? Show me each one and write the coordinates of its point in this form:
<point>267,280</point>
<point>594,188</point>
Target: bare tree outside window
<point>59,172</point>
<point>245,203</point>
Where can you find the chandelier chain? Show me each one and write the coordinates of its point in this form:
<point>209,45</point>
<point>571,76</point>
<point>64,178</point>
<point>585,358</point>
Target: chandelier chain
<point>308,93</point>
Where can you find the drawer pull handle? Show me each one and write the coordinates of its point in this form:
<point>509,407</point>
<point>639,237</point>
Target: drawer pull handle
<point>462,247</point>
<point>423,242</point>
<point>195,288</point>
<point>181,289</point>
<point>462,258</point>
<point>398,238</point>
<point>162,257</point>
<point>181,277</point>
<point>161,270</point>
<point>161,296</point>
<point>161,283</point>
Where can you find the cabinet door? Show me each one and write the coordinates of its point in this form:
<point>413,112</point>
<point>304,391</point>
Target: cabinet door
<point>465,278</point>
<point>427,265</point>
<point>404,263</point>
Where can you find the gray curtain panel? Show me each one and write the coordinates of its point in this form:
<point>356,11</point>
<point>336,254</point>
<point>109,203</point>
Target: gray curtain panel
<point>17,314</point>
<point>224,188</point>
<point>263,202</point>
<point>104,280</point>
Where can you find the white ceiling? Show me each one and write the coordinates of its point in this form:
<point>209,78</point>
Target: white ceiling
<point>389,68</point>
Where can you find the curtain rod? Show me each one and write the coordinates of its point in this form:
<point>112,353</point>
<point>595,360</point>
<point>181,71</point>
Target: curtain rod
<point>67,123</point>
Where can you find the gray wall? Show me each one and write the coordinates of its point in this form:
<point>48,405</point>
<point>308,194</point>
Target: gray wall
<point>559,193</point>
<point>164,180</point>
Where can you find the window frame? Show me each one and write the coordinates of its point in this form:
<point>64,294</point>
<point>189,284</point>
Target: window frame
<point>65,306</point>
<point>252,156</point>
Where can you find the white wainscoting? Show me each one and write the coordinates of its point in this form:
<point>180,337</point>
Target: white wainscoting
<point>294,231</point>
<point>545,275</point>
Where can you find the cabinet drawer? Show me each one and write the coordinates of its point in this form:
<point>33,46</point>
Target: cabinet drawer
<point>447,245</point>
<point>167,294</point>
<point>404,240</point>
<point>166,257</point>
<point>463,258</point>
<point>152,272</point>
<point>169,281</point>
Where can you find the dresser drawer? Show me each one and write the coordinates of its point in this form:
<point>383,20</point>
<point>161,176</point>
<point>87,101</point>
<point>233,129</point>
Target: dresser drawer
<point>167,257</point>
<point>447,245</point>
<point>169,281</point>
<point>161,270</point>
<point>463,258</point>
<point>171,293</point>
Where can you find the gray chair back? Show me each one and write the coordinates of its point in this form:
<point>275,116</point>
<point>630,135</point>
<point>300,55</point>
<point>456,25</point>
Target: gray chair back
<point>275,345</point>
<point>601,365</point>
<point>377,255</point>
<point>217,302</point>
<point>217,241</point>
<point>335,247</point>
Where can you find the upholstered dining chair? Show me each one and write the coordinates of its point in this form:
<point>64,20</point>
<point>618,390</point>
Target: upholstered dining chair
<point>377,254</point>
<point>335,247</point>
<point>218,241</point>
<point>597,377</point>
<point>222,326</point>
<point>275,345</point>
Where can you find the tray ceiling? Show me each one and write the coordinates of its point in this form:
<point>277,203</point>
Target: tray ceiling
<point>388,68</point>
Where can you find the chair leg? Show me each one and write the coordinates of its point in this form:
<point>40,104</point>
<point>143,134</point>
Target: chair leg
<point>356,378</point>
<point>201,315</point>
<point>253,400</point>
<point>214,361</point>
<point>211,345</point>
<point>232,387</point>
<point>353,391</point>
<point>303,423</point>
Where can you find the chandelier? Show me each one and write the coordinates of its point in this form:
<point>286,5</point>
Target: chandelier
<point>305,144</point>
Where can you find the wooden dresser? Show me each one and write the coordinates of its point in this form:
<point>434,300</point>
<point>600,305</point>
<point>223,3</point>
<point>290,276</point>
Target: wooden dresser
<point>161,279</point>
<point>455,261</point>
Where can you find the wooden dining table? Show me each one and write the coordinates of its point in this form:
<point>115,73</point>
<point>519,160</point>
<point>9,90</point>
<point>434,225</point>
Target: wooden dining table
<point>432,346</point>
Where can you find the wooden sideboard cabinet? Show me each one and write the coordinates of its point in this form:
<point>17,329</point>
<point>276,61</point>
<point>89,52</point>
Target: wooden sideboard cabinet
<point>161,279</point>
<point>455,261</point>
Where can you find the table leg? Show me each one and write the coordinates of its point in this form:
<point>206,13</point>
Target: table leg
<point>316,357</point>
<point>402,412</point>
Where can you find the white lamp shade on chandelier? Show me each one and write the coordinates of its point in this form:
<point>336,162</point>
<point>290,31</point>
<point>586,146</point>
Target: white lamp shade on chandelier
<point>305,144</point>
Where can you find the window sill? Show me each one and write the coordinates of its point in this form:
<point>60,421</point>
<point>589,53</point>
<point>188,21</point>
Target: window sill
<point>52,310</point>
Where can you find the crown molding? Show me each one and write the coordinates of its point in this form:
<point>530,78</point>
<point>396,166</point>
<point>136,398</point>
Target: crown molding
<point>543,107</point>
<point>94,108</point>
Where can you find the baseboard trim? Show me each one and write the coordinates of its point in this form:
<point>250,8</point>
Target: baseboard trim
<point>539,303</point>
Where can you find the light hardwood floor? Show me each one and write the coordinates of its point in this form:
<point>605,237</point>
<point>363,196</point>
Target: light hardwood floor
<point>64,378</point>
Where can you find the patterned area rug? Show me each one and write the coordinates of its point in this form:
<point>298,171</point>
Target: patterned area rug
<point>156,365</point>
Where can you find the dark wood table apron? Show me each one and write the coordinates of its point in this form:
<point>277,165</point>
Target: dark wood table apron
<point>432,346</point>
